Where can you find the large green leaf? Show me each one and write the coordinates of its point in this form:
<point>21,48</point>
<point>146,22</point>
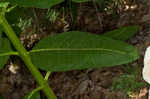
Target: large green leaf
<point>80,50</point>
<point>36,3</point>
<point>123,33</point>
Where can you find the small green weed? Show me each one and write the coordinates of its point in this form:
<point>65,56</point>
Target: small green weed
<point>128,82</point>
<point>23,24</point>
<point>51,15</point>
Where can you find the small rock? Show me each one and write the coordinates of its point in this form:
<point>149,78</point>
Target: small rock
<point>83,86</point>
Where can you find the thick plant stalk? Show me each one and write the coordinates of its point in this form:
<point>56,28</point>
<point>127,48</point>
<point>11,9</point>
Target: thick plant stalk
<point>26,58</point>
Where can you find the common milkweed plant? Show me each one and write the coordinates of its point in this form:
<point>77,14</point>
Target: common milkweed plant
<point>71,50</point>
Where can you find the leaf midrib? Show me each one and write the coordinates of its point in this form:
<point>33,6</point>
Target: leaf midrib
<point>76,49</point>
<point>64,49</point>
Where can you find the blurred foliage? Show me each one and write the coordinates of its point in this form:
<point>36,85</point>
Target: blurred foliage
<point>1,97</point>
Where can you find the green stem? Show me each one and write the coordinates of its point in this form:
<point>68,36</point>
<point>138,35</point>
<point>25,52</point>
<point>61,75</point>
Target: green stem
<point>9,53</point>
<point>26,58</point>
<point>47,75</point>
<point>34,91</point>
